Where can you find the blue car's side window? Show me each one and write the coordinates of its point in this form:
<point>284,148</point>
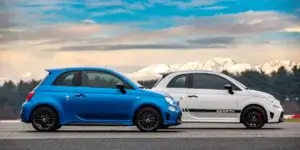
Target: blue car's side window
<point>67,79</point>
<point>99,79</point>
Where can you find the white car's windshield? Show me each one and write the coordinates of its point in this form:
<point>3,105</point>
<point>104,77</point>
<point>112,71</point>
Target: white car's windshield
<point>238,82</point>
<point>133,81</point>
<point>242,85</point>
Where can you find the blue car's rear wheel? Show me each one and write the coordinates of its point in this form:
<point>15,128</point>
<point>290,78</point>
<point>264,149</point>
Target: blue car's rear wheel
<point>148,119</point>
<point>44,119</point>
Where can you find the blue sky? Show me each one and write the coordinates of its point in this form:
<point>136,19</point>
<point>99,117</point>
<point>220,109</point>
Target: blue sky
<point>116,11</point>
<point>157,15</point>
<point>150,15</point>
<point>147,29</point>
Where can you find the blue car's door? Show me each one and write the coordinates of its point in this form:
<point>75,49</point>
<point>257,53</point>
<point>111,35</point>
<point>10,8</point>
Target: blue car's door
<point>98,99</point>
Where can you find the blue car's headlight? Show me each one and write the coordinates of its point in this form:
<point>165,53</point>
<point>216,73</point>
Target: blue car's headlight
<point>170,100</point>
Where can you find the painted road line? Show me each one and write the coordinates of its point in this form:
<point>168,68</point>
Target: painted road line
<point>294,116</point>
<point>10,121</point>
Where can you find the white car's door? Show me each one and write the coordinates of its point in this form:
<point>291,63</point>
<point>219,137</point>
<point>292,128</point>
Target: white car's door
<point>209,101</point>
<point>177,88</point>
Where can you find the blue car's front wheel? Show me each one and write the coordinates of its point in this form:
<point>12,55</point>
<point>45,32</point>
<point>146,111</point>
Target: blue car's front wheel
<point>148,119</point>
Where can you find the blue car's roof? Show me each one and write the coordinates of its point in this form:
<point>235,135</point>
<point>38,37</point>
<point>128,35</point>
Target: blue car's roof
<point>60,70</point>
<point>78,68</point>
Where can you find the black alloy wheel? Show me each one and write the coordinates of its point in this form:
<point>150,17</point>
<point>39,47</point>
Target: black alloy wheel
<point>254,119</point>
<point>44,119</point>
<point>148,119</point>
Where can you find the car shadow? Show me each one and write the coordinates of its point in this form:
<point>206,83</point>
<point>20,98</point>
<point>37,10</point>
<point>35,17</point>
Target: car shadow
<point>224,128</point>
<point>170,130</point>
<point>103,131</point>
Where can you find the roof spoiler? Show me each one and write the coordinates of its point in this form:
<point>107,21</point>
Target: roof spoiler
<point>51,70</point>
<point>164,74</point>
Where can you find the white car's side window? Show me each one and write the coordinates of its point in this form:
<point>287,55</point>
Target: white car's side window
<point>210,81</point>
<point>179,81</point>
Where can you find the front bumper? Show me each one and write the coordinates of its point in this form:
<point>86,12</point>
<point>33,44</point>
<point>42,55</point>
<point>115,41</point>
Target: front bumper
<point>276,116</point>
<point>281,119</point>
<point>172,118</point>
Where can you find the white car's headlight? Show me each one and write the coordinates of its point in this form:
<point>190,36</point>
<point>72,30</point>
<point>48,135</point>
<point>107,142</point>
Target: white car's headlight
<point>276,104</point>
<point>170,100</point>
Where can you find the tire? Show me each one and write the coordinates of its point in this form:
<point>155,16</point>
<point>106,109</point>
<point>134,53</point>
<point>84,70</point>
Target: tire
<point>254,117</point>
<point>58,126</point>
<point>164,127</point>
<point>45,119</point>
<point>148,119</point>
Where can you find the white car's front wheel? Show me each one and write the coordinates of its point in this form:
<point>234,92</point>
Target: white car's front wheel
<point>254,117</point>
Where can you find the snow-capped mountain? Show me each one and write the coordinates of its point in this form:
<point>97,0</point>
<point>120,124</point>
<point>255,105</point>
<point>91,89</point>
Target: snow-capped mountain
<point>152,71</point>
<point>215,64</point>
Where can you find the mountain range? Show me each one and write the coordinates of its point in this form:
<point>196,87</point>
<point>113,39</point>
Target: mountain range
<point>152,71</point>
<point>214,64</point>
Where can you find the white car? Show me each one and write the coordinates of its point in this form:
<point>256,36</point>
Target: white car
<point>213,97</point>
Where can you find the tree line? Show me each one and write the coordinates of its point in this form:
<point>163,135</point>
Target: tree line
<point>283,84</point>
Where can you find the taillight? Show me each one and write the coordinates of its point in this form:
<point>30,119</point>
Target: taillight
<point>29,96</point>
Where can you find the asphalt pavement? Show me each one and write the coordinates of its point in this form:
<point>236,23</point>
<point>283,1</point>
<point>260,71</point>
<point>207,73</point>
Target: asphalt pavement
<point>186,136</point>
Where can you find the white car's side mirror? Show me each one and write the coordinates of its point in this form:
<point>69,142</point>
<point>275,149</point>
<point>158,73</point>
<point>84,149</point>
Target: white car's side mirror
<point>229,88</point>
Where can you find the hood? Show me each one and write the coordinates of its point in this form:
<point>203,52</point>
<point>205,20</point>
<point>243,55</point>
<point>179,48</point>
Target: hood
<point>155,92</point>
<point>260,94</point>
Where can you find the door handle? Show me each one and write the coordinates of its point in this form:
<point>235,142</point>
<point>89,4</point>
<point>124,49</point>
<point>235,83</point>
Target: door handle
<point>192,96</point>
<point>80,95</point>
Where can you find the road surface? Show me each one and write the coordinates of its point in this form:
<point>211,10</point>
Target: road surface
<point>186,136</point>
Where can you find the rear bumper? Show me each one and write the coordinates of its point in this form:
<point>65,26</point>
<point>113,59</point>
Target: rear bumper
<point>25,113</point>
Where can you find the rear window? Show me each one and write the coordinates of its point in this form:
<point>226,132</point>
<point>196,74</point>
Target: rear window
<point>163,75</point>
<point>41,81</point>
<point>158,81</point>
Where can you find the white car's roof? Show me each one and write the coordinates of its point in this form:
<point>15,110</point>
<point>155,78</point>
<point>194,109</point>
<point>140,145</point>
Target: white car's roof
<point>191,71</point>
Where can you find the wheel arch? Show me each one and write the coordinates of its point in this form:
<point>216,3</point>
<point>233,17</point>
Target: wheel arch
<point>46,105</point>
<point>145,105</point>
<point>254,105</point>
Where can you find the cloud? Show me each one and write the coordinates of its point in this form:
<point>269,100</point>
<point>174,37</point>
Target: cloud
<point>292,29</point>
<point>250,22</point>
<point>212,40</point>
<point>88,21</point>
<point>50,32</point>
<point>214,8</point>
<point>16,13</point>
<point>184,5</point>
<point>111,12</point>
<point>197,43</point>
<point>137,46</point>
<point>242,24</point>
<point>46,3</point>
<point>141,6</point>
<point>96,3</point>
<point>90,35</point>
<point>6,18</point>
<point>115,3</point>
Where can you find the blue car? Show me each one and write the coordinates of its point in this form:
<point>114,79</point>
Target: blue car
<point>96,96</point>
